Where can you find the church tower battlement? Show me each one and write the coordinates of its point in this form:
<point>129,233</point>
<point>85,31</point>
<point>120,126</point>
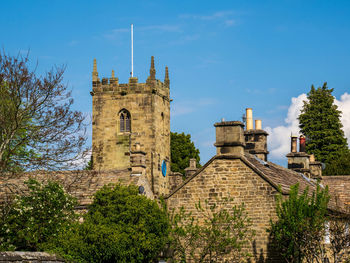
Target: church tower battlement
<point>130,115</point>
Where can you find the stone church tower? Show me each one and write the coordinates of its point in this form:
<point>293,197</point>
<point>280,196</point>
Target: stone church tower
<point>131,126</point>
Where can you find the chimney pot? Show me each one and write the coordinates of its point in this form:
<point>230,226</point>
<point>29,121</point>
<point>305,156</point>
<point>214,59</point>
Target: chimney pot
<point>293,145</point>
<point>249,120</point>
<point>258,125</point>
<point>302,143</point>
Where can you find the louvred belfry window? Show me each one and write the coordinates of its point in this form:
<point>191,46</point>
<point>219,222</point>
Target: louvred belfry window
<point>125,121</point>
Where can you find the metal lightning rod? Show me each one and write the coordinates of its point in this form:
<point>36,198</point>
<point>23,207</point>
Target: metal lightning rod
<point>132,50</point>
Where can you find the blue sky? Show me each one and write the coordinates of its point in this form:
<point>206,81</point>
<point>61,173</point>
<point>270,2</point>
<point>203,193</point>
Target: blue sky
<point>223,56</point>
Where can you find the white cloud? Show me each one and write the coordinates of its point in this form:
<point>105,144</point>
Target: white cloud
<point>344,105</point>
<point>279,137</point>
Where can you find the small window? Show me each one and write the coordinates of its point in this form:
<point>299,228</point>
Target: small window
<point>125,121</point>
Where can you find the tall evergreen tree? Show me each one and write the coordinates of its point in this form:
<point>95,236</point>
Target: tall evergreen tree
<point>182,150</point>
<point>320,123</point>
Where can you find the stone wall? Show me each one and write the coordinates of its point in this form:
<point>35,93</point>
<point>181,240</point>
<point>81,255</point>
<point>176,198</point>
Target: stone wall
<point>29,257</point>
<point>339,186</point>
<point>232,178</point>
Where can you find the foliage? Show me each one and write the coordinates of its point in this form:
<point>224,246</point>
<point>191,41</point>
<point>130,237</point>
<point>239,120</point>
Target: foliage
<point>120,226</point>
<point>38,129</point>
<point>35,217</point>
<point>339,166</point>
<point>339,237</point>
<point>182,150</point>
<point>223,233</point>
<point>320,123</point>
<point>300,227</point>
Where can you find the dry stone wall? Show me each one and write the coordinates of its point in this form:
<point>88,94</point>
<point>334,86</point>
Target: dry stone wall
<point>29,257</point>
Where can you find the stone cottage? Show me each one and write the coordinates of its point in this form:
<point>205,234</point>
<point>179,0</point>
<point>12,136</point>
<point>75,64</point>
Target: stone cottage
<point>234,172</point>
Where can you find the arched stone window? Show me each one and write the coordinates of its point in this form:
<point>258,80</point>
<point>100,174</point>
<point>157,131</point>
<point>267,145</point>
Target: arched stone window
<point>125,121</point>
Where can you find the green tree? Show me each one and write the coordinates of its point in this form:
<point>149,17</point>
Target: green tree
<point>38,128</point>
<point>320,123</point>
<point>298,233</point>
<point>222,235</point>
<point>35,217</point>
<point>121,226</point>
<point>339,166</point>
<point>182,150</point>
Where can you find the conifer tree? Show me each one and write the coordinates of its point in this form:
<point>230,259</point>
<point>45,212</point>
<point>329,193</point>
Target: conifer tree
<point>320,123</point>
<point>182,150</point>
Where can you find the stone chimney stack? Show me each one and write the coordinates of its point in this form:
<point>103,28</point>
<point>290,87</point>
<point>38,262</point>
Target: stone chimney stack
<point>315,168</point>
<point>192,168</point>
<point>255,139</point>
<point>299,161</point>
<point>229,138</point>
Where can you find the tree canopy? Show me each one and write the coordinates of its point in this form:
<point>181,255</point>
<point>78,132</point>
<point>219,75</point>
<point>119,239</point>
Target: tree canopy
<point>182,150</point>
<point>121,226</point>
<point>38,128</point>
<point>320,123</point>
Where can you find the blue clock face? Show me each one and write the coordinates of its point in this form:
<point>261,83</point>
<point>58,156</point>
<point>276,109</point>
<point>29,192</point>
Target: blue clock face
<point>164,168</point>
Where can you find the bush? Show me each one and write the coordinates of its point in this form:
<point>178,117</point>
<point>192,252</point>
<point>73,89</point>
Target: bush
<point>222,236</point>
<point>299,231</point>
<point>120,226</point>
<point>34,218</point>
